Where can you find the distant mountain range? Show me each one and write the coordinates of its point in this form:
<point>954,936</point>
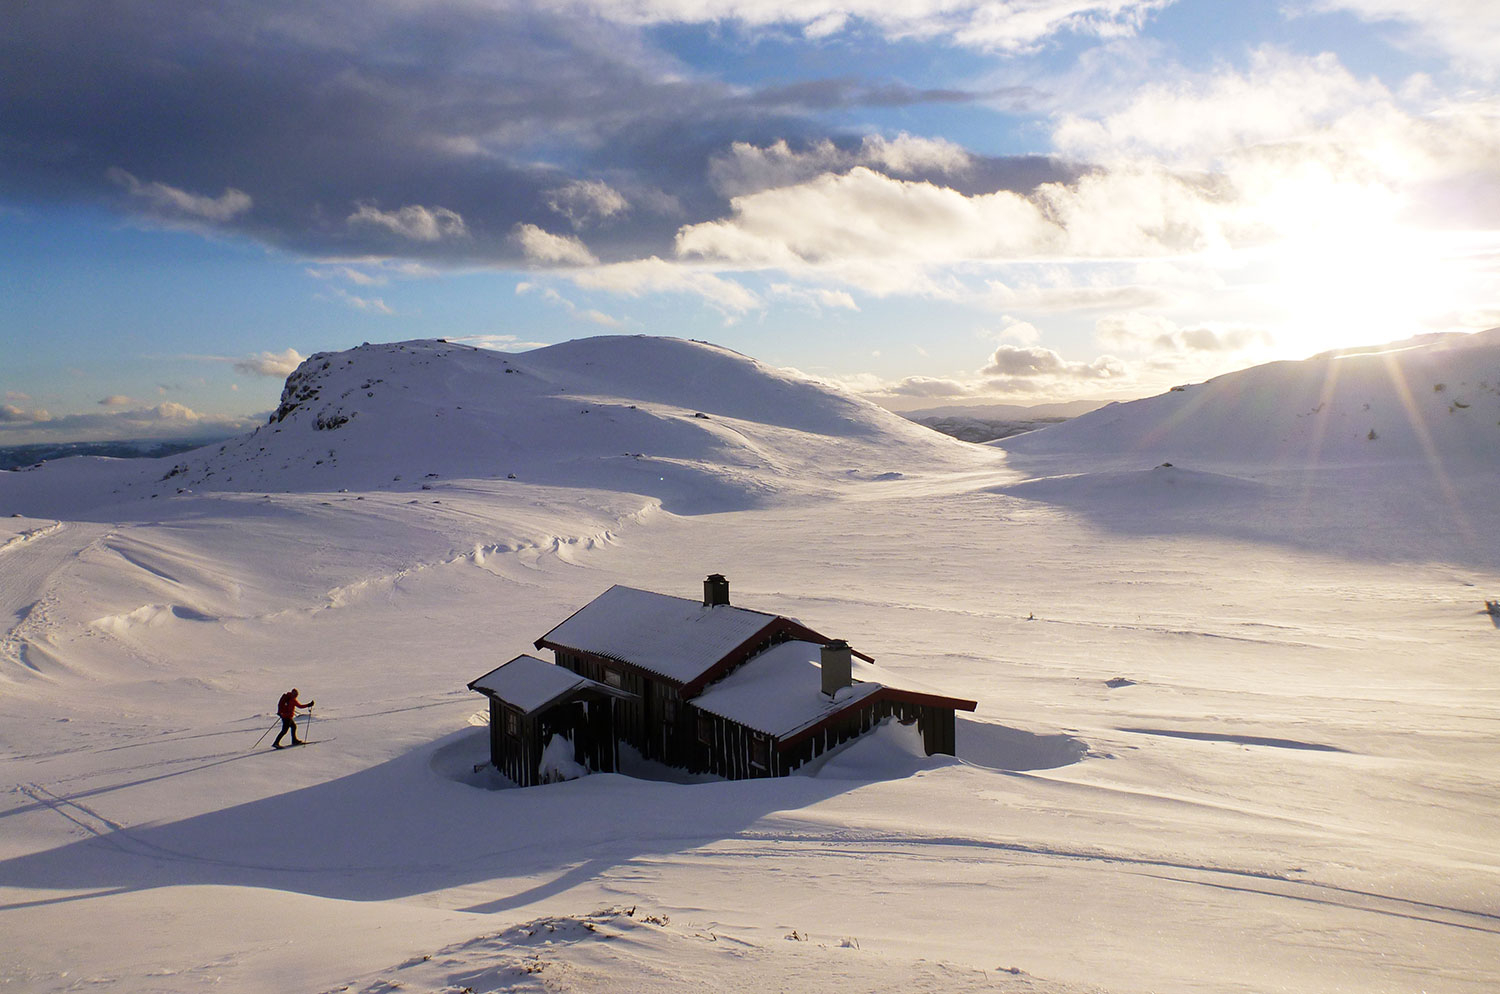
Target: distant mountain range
<point>1008,412</point>
<point>989,422</point>
<point>17,456</point>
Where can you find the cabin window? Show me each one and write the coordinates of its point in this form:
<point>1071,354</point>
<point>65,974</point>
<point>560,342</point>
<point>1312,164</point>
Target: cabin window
<point>759,752</point>
<point>668,709</point>
<point>705,730</point>
<point>512,723</point>
<point>612,677</point>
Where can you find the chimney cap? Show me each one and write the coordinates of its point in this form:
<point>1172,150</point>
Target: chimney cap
<point>715,590</point>
<point>836,644</point>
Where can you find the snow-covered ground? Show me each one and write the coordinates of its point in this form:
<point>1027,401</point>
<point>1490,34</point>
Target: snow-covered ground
<point>1238,726</point>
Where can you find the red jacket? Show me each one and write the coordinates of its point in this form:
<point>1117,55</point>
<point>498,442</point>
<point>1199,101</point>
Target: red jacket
<point>286,708</point>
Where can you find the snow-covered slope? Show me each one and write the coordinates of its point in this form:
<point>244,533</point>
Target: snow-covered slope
<point>1202,762</point>
<point>1429,400</point>
<point>701,427</point>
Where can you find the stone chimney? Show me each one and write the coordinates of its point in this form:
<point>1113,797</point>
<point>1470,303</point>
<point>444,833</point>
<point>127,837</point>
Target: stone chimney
<point>715,590</point>
<point>838,669</point>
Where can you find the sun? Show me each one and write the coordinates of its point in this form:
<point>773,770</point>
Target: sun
<point>1348,272</point>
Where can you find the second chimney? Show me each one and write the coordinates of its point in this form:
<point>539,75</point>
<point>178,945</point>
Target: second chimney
<point>838,669</point>
<point>715,590</point>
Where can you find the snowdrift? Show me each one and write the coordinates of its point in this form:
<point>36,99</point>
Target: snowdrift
<point>700,427</point>
<point>1429,400</point>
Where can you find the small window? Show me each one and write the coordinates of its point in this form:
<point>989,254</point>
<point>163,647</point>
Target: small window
<point>705,730</point>
<point>668,709</point>
<point>759,753</point>
<point>512,724</point>
<point>612,677</point>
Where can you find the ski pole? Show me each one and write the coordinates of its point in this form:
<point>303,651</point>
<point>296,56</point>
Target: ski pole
<point>306,732</point>
<point>263,735</point>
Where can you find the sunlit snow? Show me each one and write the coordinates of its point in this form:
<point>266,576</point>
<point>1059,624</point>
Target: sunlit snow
<point>1238,723</point>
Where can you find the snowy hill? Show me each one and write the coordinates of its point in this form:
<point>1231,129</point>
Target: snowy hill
<point>701,427</point>
<point>1215,751</point>
<point>1431,400</point>
<point>1387,452</point>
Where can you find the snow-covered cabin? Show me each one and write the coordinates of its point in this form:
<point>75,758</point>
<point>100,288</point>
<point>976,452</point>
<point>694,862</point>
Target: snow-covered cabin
<point>711,687</point>
<point>533,705</point>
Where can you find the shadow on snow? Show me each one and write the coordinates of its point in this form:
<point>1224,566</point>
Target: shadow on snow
<point>411,825</point>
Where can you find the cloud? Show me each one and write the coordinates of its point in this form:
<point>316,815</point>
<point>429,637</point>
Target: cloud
<point>1073,297</point>
<point>429,130</point>
<point>929,386</point>
<point>272,364</point>
<point>1011,371</point>
<point>748,168</point>
<point>531,112</point>
<point>418,223</point>
<point>10,414</point>
<point>167,420</point>
<point>1148,332</point>
<point>1294,140</point>
<point>842,93</point>
<point>115,400</point>
<point>1466,29</point>
<point>991,25</point>
<point>355,276</point>
<point>170,201</point>
<point>1193,119</point>
<point>581,313</point>
<point>500,343</point>
<point>548,249</point>
<point>864,216</point>
<point>818,297</point>
<point>1023,362</point>
<point>586,201</point>
<point>371,305</point>
<point>458,132</point>
<point>659,276</point>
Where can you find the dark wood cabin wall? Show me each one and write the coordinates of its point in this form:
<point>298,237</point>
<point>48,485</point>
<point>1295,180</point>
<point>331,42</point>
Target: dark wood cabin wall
<point>591,730</point>
<point>497,750</point>
<point>939,731</point>
<point>639,722</point>
<point>508,752</point>
<point>529,754</point>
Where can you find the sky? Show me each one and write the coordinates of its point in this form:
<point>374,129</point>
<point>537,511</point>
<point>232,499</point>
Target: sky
<point>930,202</point>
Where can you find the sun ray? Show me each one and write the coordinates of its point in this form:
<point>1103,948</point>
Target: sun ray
<point>1430,452</point>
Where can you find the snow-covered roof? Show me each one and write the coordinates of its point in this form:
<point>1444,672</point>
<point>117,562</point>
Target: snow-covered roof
<point>676,637</point>
<point>779,691</point>
<point>531,684</point>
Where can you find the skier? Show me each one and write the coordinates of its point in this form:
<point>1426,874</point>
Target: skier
<point>286,710</point>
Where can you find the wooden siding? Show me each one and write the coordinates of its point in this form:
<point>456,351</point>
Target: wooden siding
<point>663,726</point>
<point>730,749</point>
<point>587,721</point>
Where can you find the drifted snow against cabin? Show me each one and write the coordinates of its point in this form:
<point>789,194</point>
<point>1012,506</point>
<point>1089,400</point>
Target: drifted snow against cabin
<point>704,686</point>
